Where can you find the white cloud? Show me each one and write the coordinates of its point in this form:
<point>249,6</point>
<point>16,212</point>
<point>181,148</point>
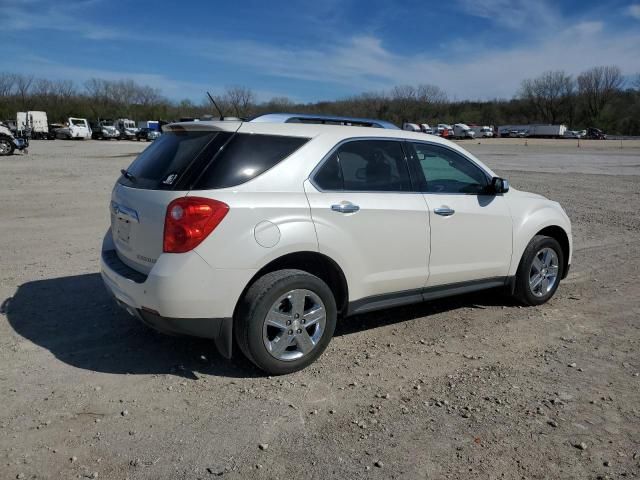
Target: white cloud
<point>513,14</point>
<point>363,63</point>
<point>542,40</point>
<point>634,11</point>
<point>61,16</point>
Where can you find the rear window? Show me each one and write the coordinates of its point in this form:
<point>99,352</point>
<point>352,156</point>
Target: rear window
<point>245,157</point>
<point>162,163</point>
<point>203,160</point>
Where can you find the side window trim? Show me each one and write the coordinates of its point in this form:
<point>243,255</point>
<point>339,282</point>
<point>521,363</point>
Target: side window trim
<point>424,180</point>
<point>334,150</point>
<point>418,180</point>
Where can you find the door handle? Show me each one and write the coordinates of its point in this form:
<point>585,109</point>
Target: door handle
<point>345,208</point>
<point>444,211</point>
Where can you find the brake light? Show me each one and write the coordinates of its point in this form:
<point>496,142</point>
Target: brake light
<point>189,220</point>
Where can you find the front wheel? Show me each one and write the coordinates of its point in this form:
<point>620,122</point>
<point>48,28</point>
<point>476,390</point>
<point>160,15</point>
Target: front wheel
<point>285,321</point>
<point>540,271</point>
<point>6,147</point>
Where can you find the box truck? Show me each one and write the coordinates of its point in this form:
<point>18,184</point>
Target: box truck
<point>33,124</point>
<point>462,130</point>
<point>484,131</point>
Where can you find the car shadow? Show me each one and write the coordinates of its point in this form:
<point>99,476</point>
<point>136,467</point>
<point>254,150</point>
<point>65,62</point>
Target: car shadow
<point>486,298</point>
<point>79,323</point>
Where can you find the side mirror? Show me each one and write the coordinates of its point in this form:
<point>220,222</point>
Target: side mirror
<point>500,185</point>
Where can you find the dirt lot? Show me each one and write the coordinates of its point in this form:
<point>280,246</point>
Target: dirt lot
<point>470,387</point>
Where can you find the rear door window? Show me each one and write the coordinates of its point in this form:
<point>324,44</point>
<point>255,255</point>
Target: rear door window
<point>365,166</point>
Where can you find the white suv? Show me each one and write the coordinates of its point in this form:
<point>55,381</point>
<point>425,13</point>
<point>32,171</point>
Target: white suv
<point>270,232</point>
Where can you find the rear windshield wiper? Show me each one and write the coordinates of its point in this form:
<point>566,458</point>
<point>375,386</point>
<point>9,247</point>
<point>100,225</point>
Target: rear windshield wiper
<point>129,176</point>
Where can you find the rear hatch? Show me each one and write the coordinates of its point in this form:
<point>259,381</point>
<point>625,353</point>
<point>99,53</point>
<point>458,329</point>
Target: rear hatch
<point>163,172</point>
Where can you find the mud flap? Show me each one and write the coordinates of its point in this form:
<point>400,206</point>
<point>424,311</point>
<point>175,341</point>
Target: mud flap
<point>224,339</point>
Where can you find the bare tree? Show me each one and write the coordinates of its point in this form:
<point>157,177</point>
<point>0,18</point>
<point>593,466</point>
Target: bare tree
<point>551,95</point>
<point>597,86</point>
<point>23,86</point>
<point>146,95</point>
<point>7,82</point>
<point>238,99</point>
<point>431,94</point>
<point>63,89</point>
<point>372,104</point>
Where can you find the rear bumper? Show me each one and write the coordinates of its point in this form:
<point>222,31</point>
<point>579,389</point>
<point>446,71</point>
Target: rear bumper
<point>220,330</point>
<point>181,294</point>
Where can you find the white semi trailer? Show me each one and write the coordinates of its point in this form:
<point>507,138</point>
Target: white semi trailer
<point>534,130</point>
<point>34,124</point>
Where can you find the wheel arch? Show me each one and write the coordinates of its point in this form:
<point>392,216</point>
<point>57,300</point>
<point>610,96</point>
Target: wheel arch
<point>311,262</point>
<point>560,235</point>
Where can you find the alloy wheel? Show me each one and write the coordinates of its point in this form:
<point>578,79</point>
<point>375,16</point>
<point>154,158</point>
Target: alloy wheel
<point>5,147</point>
<point>544,272</point>
<point>294,325</point>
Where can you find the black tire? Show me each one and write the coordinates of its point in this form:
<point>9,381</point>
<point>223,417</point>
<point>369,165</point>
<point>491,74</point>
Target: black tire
<point>254,306</point>
<point>8,146</point>
<point>523,292</point>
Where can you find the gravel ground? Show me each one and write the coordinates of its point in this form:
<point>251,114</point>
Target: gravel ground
<point>469,387</point>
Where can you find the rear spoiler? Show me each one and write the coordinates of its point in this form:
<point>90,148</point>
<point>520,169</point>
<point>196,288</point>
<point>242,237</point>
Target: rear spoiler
<point>216,126</point>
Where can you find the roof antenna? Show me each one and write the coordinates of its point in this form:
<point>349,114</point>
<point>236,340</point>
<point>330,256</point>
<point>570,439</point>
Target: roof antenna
<point>216,105</point>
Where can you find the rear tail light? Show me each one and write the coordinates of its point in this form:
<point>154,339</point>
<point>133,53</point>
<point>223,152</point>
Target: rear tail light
<point>189,220</point>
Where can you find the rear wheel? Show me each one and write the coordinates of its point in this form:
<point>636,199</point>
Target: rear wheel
<point>285,321</point>
<point>540,271</point>
<point>6,146</point>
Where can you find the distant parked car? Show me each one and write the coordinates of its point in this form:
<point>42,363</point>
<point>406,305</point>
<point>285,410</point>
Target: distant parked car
<point>147,134</point>
<point>595,134</point>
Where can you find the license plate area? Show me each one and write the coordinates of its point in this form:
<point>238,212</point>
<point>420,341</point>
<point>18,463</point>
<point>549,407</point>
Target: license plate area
<point>123,230</point>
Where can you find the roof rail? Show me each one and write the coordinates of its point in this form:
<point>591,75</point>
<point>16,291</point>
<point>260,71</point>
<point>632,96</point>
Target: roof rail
<point>322,119</point>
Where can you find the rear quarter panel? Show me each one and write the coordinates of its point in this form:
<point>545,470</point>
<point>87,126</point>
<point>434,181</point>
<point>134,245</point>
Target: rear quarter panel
<point>285,216</point>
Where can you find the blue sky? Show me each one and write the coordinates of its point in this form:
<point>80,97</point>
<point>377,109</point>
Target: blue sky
<point>317,50</point>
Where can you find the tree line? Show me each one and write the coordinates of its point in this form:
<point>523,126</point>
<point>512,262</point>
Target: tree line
<point>599,97</point>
